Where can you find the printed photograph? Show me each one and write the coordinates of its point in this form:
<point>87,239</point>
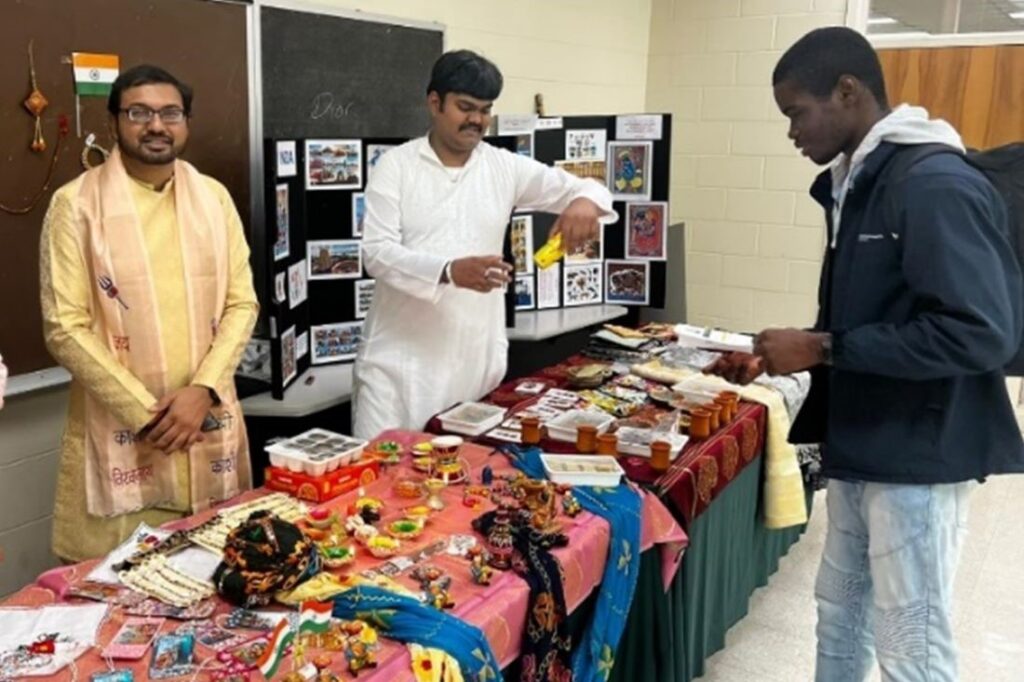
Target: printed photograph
<point>334,259</point>
<point>583,284</point>
<point>297,288</point>
<point>281,242</point>
<point>525,299</point>
<point>629,170</point>
<point>335,342</point>
<point>289,366</point>
<point>334,164</point>
<point>522,244</point>
<point>593,170</point>
<point>358,213</point>
<point>646,230</point>
<point>627,282</point>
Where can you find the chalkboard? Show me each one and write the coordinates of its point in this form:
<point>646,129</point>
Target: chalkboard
<point>332,76</point>
<point>202,42</point>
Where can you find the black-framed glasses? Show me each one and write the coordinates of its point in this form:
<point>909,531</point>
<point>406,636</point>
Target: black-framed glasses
<point>142,114</point>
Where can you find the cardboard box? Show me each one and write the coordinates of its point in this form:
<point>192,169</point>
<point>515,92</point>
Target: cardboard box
<point>322,488</point>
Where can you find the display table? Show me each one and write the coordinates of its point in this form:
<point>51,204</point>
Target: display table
<point>499,609</point>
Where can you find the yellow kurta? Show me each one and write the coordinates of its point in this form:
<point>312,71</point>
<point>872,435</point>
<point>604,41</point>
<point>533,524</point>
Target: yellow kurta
<point>66,294</point>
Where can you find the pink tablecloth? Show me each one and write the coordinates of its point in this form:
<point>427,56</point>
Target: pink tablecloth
<point>498,609</point>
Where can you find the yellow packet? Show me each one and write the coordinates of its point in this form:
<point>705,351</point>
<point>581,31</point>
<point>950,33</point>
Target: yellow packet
<point>550,253</point>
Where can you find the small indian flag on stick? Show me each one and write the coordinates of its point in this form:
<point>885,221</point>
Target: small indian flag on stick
<point>94,73</point>
<point>280,640</point>
<point>315,616</point>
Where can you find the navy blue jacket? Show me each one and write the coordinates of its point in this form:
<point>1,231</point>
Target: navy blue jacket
<point>923,297</point>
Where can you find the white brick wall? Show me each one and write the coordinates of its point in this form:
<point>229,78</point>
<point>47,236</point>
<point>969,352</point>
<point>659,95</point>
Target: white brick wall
<point>754,237</point>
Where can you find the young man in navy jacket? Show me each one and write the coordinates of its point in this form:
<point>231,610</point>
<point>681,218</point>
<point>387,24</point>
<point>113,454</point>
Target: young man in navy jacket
<point>919,309</point>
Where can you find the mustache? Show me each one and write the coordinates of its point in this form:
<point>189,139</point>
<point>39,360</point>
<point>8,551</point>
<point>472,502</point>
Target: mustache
<point>471,126</point>
<point>152,138</point>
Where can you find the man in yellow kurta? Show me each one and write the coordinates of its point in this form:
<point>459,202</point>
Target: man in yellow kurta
<point>148,302</point>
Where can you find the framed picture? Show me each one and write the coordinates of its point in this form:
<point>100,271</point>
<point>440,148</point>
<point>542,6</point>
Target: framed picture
<point>590,251</point>
<point>334,164</point>
<point>334,259</point>
<point>280,288</point>
<point>525,298</point>
<point>629,170</point>
<point>358,213</point>
<point>289,366</point>
<point>373,154</point>
<point>297,288</point>
<point>364,296</point>
<point>582,283</point>
<point>647,230</point>
<point>301,345</point>
<point>627,282</point>
<point>549,287</point>
<point>335,342</point>
<point>585,145</point>
<point>593,170</point>
<point>281,247</point>
<point>522,244</point>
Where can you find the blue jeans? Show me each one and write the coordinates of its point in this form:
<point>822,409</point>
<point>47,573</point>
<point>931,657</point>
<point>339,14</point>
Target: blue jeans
<point>885,584</point>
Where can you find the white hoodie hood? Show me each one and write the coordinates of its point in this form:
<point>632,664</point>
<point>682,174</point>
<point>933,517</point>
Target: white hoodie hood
<point>904,125</point>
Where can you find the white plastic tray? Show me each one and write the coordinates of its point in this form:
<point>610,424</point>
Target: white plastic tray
<point>563,427</point>
<point>634,441</point>
<point>472,419</point>
<point>599,470</point>
<point>315,452</point>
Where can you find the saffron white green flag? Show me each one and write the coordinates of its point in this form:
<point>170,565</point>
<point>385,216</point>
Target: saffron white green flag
<point>94,73</point>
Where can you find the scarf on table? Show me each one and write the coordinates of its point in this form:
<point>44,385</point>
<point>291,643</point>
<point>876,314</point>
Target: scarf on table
<point>123,473</point>
<point>545,652</point>
<point>621,507</point>
<point>407,620</point>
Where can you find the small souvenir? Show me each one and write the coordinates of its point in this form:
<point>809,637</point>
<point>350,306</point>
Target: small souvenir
<point>478,568</point>
<point>321,519</point>
<point>172,656</point>
<point>487,475</point>
<point>499,540</point>
<point>420,511</point>
<point>336,556</point>
<point>406,529</point>
<point>360,529</point>
<point>131,641</point>
<point>436,586</point>
<point>369,508</point>
<point>388,451</point>
<point>382,546</point>
<point>434,487</point>
<point>243,619</point>
<point>570,505</point>
<point>124,675</point>
<point>472,501</point>
<point>407,488</point>
<point>360,646</point>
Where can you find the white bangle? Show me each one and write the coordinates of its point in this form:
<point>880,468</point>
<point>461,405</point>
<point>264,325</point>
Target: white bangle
<point>448,272</point>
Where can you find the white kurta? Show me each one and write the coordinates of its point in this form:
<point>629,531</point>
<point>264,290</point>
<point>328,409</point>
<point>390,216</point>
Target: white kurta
<point>427,345</point>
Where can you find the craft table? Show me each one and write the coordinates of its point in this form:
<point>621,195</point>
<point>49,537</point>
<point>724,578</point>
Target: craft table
<point>499,609</point>
<point>714,490</point>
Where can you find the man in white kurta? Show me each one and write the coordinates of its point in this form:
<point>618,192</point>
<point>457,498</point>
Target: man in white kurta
<point>433,236</point>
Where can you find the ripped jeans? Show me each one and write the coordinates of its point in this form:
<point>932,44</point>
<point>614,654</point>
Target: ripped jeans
<point>885,584</point>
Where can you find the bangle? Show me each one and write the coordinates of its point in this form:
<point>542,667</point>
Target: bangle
<point>448,272</point>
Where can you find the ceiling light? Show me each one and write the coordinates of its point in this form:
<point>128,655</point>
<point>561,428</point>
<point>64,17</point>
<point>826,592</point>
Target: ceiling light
<point>881,21</point>
<point>1017,15</point>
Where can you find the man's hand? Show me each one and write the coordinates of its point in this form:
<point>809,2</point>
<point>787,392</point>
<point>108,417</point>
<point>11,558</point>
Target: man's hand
<point>481,273</point>
<point>179,418</point>
<point>786,351</point>
<point>737,368</point>
<point>577,225</point>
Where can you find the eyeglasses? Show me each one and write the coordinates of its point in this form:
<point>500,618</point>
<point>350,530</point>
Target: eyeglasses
<point>141,114</point>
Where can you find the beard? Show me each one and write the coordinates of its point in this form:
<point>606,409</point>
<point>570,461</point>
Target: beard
<point>142,152</point>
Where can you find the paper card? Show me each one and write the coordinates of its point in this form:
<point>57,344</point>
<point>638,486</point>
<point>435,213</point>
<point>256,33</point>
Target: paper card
<point>550,123</point>
<point>629,170</point>
<point>301,345</point>
<point>364,296</point>
<point>549,287</point>
<point>287,164</point>
<point>627,282</point>
<point>297,290</point>
<point>583,284</point>
<point>289,366</point>
<point>585,145</point>
<point>647,230</point>
<point>280,288</point>
<point>525,294</point>
<point>334,164</point>
<point>281,248</point>
<point>638,127</point>
<point>516,124</point>
<point>335,259</point>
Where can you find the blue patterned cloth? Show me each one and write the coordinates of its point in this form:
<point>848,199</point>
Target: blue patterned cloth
<point>407,620</point>
<point>621,507</point>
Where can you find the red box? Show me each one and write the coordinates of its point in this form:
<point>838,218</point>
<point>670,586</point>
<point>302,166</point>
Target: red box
<point>322,488</point>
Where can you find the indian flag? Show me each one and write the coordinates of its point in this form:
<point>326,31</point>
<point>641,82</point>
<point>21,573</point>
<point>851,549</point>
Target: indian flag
<point>315,616</point>
<point>94,73</point>
<point>280,640</point>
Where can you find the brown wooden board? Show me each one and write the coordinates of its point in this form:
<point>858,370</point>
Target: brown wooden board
<point>202,42</point>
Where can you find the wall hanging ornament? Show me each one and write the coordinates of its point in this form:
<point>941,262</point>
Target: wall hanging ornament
<point>36,103</point>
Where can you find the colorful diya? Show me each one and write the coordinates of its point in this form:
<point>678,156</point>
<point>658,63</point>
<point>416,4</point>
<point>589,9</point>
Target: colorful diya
<point>406,529</point>
<point>382,547</point>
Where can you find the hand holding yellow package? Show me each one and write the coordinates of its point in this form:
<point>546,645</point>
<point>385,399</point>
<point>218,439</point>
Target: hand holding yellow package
<point>550,253</point>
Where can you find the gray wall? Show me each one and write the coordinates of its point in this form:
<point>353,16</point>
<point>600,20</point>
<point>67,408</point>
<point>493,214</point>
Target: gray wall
<point>30,429</point>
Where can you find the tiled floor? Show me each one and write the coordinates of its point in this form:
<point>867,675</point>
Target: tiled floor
<point>775,642</point>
